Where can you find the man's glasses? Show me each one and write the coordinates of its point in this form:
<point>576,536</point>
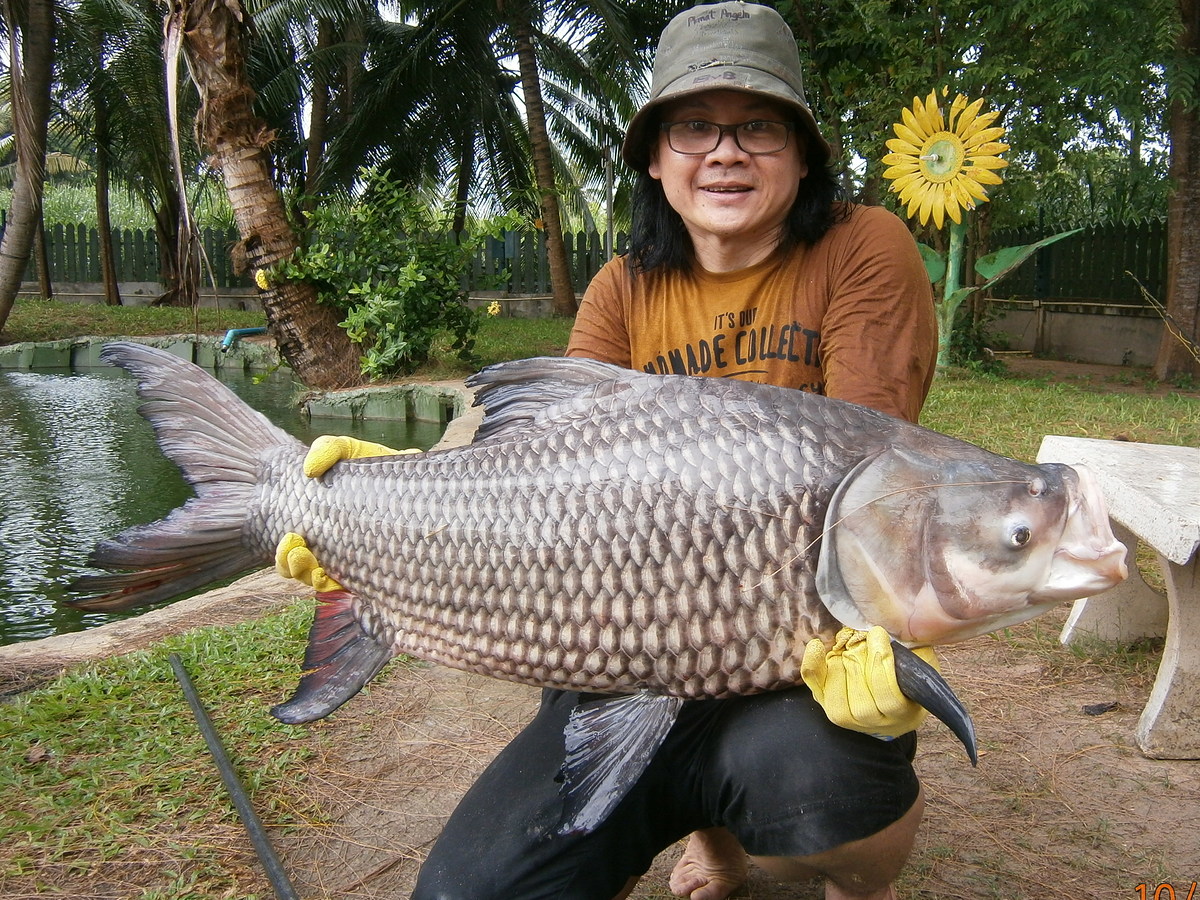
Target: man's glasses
<point>697,137</point>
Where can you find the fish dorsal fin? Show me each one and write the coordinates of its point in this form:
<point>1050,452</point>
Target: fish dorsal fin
<point>340,659</point>
<point>514,394</point>
<point>609,744</point>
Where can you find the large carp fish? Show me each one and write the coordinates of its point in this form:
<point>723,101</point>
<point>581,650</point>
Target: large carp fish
<point>658,538</point>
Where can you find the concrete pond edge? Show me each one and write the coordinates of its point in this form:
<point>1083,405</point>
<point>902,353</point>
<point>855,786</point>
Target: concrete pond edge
<point>440,402</point>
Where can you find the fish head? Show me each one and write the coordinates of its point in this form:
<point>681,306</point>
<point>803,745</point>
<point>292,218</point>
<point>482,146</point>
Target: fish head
<point>939,548</point>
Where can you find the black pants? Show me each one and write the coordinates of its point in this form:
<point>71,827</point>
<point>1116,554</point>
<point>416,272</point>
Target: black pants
<point>770,767</point>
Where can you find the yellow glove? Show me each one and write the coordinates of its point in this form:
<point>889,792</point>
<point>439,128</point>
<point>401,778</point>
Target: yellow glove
<point>855,681</point>
<point>293,559</point>
<point>333,448</point>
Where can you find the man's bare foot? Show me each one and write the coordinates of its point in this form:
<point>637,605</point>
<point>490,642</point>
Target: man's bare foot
<point>712,867</point>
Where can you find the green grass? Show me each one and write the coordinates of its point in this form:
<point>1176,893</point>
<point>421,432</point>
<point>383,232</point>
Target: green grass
<point>34,319</point>
<point>107,763</point>
<point>104,770</point>
<point>1010,416</point>
<point>499,339</point>
<point>1135,660</point>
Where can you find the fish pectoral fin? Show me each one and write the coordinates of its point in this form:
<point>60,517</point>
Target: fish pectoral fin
<point>609,743</point>
<point>340,659</point>
<point>922,683</point>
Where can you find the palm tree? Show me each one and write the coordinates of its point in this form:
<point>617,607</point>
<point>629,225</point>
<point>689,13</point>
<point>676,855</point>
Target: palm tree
<point>520,21</point>
<point>307,55</point>
<point>112,100</point>
<point>212,34</point>
<point>433,104</point>
<point>31,53</point>
<point>108,268</point>
<point>526,22</point>
<point>85,87</point>
<point>440,103</point>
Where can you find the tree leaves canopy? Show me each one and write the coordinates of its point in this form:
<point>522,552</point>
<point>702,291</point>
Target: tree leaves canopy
<point>429,90</point>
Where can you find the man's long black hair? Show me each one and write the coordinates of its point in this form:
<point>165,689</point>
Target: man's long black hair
<point>658,236</point>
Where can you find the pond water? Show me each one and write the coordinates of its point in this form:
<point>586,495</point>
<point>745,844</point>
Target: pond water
<point>78,464</point>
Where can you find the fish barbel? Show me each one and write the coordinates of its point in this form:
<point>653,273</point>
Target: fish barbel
<point>659,537</point>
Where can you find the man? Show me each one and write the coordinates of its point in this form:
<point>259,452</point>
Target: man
<point>742,264</point>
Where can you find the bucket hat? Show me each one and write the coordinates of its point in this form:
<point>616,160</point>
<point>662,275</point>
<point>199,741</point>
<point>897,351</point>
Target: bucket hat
<point>723,46</point>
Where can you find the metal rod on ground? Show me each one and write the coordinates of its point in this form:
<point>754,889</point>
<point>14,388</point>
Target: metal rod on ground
<point>258,836</point>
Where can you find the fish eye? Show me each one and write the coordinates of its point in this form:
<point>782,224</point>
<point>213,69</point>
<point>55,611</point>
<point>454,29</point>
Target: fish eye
<point>1036,488</point>
<point>1020,536</point>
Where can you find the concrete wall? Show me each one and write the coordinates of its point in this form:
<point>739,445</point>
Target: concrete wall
<point>516,306</point>
<point>84,353</point>
<point>440,402</point>
<point>1090,333</point>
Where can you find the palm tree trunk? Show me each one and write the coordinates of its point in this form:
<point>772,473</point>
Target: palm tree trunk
<point>41,258</point>
<point>307,333</point>
<point>108,268</point>
<point>462,180</point>
<point>1177,354</point>
<point>166,235</point>
<point>318,120</point>
<point>539,139</point>
<point>30,75</point>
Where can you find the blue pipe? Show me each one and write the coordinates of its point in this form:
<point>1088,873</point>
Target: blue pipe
<point>234,333</point>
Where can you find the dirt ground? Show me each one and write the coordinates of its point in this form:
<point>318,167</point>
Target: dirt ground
<point>1091,376</point>
<point>1062,803</point>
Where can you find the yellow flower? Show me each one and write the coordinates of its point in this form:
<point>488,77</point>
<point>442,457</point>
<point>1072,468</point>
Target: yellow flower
<point>939,166</point>
<point>260,278</point>
<point>494,308</point>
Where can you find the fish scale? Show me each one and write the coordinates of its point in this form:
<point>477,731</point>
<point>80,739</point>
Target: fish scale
<point>592,550</point>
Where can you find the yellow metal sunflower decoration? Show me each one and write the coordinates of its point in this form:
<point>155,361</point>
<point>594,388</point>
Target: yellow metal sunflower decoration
<point>940,166</point>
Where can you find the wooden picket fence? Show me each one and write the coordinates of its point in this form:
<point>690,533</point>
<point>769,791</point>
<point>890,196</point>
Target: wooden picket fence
<point>1098,265</point>
<point>74,255</point>
<point>1101,264</point>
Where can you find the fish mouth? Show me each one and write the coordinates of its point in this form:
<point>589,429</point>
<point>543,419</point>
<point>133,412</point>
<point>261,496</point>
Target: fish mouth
<point>1085,570</point>
<point>1089,558</point>
<point>923,684</point>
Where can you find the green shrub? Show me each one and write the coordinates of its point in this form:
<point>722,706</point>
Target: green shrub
<point>392,265</point>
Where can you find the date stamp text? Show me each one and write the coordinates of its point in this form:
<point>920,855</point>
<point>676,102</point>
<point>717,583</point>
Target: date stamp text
<point>1164,891</point>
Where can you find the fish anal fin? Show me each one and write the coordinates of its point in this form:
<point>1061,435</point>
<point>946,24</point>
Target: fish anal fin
<point>609,743</point>
<point>341,658</point>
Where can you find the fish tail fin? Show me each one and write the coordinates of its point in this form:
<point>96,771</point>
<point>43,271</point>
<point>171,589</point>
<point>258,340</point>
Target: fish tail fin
<point>217,441</point>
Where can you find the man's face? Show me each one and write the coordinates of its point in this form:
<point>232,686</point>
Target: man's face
<point>728,194</point>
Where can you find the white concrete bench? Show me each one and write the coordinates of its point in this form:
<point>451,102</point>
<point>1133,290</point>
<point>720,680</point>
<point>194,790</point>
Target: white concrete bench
<point>1153,496</point>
